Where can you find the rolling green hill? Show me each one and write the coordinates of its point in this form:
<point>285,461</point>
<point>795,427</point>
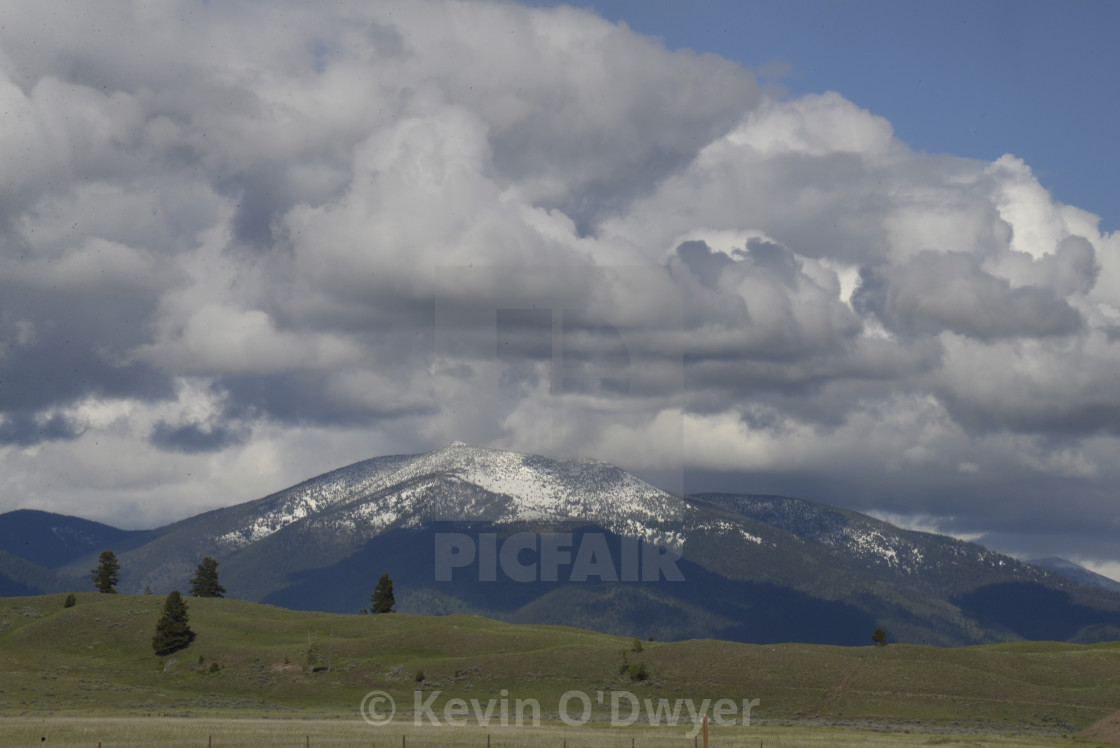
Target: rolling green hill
<point>248,659</point>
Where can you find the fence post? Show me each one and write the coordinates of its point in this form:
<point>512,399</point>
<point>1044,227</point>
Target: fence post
<point>705,729</point>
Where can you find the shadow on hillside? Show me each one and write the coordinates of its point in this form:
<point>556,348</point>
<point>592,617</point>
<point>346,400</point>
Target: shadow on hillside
<point>705,604</point>
<point>1032,611</point>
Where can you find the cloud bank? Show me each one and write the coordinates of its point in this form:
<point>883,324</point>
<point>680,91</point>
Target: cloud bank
<point>243,243</point>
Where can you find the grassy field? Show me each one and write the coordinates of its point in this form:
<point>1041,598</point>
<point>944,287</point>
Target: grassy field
<point>94,662</point>
<point>253,733</point>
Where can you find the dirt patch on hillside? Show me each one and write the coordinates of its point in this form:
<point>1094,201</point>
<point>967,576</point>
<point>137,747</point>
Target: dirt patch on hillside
<point>843,681</point>
<point>1106,730</point>
<point>278,667</point>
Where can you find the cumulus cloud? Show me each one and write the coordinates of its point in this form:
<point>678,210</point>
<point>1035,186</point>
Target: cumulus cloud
<point>934,292</point>
<point>246,242</point>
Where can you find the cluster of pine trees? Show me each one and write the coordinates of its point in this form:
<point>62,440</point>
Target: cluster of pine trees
<point>173,631</point>
<point>204,583</point>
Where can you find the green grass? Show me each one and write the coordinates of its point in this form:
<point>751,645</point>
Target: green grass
<point>260,733</point>
<point>95,660</point>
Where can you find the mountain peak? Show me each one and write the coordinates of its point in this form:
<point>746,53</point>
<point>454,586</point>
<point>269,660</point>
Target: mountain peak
<point>463,483</point>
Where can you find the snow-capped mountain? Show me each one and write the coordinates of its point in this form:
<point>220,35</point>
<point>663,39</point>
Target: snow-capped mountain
<point>751,568</point>
<point>464,483</point>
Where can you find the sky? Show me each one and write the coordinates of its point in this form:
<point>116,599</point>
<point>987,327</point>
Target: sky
<point>860,253</point>
<point>974,79</point>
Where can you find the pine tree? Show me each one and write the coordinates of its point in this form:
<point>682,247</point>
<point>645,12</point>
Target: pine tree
<point>879,637</point>
<point>382,600</point>
<point>172,631</point>
<point>204,583</point>
<point>108,572</point>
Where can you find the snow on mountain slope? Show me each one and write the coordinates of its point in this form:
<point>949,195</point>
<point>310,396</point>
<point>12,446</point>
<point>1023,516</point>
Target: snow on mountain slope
<point>542,488</point>
<point>306,499</point>
<point>464,483</point>
<point>861,537</point>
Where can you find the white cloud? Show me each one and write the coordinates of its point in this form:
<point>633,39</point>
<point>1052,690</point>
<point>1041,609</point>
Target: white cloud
<point>1110,569</point>
<point>270,203</point>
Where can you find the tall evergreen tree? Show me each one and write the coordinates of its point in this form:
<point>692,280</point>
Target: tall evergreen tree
<point>382,600</point>
<point>204,583</point>
<point>108,572</point>
<point>172,631</point>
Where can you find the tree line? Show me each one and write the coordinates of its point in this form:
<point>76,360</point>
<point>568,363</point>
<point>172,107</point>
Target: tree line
<point>204,583</point>
<point>173,630</point>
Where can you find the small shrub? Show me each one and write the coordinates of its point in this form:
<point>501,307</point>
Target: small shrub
<point>419,676</point>
<point>314,656</point>
<point>623,663</point>
<point>639,672</point>
<point>71,601</point>
<point>636,646</point>
<point>215,667</point>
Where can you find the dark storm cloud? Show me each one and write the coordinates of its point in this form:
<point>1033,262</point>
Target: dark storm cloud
<point>27,429</point>
<point>313,398</point>
<point>1087,413</point>
<point>194,438</point>
<point>58,348</point>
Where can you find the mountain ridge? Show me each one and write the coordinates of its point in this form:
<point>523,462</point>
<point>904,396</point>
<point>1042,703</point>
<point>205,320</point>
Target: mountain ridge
<point>756,568</point>
<point>1076,571</point>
